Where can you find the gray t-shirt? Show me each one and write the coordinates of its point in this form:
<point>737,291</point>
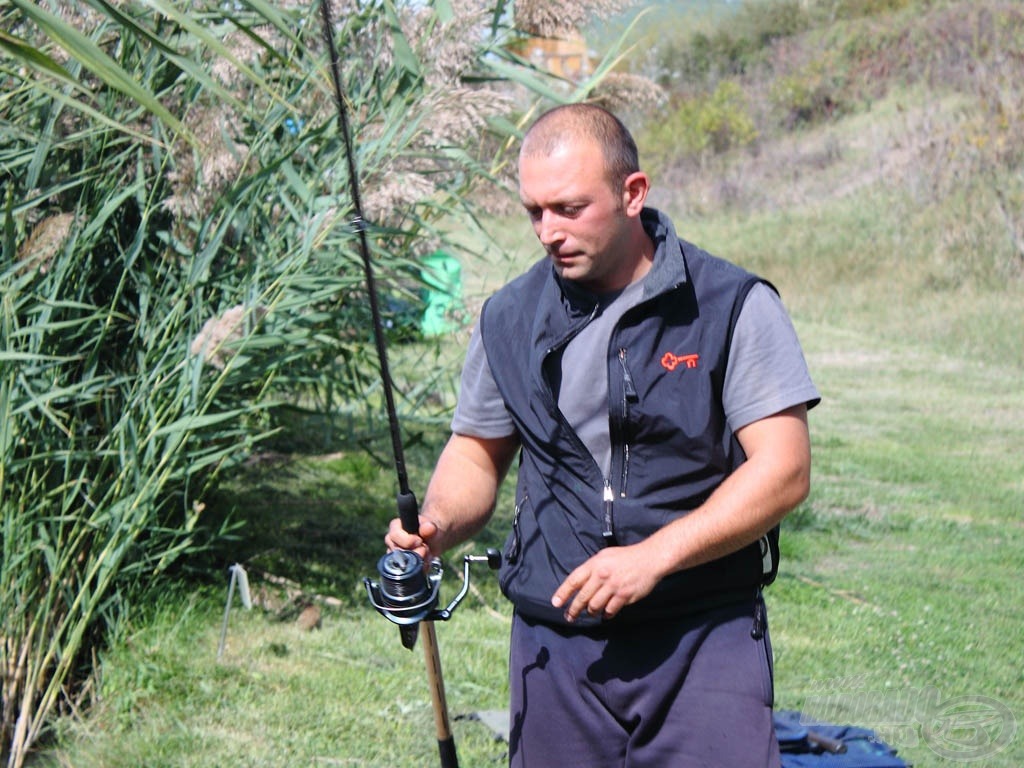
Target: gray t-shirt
<point>766,374</point>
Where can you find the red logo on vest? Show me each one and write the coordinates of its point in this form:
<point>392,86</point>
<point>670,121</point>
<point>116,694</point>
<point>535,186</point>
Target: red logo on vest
<point>670,361</point>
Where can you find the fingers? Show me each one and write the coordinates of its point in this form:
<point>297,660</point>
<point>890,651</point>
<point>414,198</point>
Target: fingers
<point>589,594</point>
<point>605,584</point>
<point>398,538</point>
<point>567,589</point>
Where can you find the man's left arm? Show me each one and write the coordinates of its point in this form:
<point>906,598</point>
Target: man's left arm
<point>773,480</point>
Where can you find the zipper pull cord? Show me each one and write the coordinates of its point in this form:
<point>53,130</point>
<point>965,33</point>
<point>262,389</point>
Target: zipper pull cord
<point>757,629</point>
<point>609,519</point>
<point>627,378</point>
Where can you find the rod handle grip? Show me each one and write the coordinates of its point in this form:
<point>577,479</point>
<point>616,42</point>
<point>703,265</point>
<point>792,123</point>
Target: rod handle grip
<point>409,512</point>
<point>449,757</point>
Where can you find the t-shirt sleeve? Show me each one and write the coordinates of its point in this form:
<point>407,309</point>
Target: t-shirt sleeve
<point>766,372</point>
<point>480,410</point>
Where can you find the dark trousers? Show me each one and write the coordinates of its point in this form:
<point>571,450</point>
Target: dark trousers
<point>690,692</point>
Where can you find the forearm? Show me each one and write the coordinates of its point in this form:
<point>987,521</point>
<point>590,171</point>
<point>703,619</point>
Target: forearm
<point>754,499</point>
<point>463,490</point>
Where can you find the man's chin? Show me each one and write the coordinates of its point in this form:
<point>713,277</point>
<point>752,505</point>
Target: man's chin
<point>568,269</point>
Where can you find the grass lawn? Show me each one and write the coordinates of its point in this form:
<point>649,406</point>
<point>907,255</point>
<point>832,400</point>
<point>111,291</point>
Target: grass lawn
<point>897,607</point>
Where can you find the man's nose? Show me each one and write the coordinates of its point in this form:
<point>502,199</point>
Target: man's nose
<point>548,230</point>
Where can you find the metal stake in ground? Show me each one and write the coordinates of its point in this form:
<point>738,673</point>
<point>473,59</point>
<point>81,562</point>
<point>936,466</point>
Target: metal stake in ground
<point>408,508</point>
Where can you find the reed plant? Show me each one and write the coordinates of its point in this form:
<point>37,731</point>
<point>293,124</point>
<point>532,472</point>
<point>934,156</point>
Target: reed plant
<point>176,267</point>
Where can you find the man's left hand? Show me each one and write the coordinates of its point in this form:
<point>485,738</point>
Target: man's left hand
<point>606,583</point>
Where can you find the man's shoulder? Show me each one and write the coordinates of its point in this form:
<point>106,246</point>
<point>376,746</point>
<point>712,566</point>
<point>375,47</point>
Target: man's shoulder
<point>698,258</point>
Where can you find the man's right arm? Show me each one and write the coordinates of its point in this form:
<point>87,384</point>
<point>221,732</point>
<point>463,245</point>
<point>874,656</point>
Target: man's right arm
<point>461,495</point>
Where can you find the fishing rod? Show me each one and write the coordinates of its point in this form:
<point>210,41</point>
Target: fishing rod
<point>407,593</point>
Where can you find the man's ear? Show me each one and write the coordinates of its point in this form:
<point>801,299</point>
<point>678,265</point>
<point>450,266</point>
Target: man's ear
<point>634,193</point>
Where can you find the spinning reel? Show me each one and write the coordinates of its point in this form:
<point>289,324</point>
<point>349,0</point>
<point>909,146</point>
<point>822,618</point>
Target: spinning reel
<point>408,590</point>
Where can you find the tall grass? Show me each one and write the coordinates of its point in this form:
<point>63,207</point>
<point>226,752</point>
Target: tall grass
<point>175,267</point>
<point>104,462</point>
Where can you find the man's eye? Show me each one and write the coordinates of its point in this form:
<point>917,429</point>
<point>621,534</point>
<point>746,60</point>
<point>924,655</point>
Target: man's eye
<point>571,210</point>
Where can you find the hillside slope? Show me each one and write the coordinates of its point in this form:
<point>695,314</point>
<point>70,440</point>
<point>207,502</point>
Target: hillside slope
<point>873,167</point>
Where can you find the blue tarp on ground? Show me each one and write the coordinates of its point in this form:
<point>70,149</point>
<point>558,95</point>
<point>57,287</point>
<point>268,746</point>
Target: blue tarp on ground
<point>808,744</point>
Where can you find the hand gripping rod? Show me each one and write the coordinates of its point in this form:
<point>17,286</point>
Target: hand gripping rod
<point>408,508</point>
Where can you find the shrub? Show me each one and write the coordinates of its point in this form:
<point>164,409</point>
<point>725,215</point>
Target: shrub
<point>707,124</point>
<point>806,96</point>
<point>849,9</point>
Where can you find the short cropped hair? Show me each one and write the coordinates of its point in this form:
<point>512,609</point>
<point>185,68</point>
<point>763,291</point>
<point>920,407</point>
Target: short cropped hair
<point>575,122</point>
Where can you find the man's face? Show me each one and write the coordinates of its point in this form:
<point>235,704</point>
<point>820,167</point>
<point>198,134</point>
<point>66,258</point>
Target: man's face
<point>578,217</point>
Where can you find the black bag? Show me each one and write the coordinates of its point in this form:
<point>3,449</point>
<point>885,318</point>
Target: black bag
<point>805,743</point>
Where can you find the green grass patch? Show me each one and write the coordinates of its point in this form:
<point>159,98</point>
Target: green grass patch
<point>898,597</point>
<point>900,594</point>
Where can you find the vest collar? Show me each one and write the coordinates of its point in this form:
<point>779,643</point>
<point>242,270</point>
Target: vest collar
<point>667,271</point>
<point>669,268</point>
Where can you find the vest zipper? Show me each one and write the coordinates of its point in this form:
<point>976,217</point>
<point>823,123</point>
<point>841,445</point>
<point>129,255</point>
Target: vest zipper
<point>629,395</point>
<point>608,515</point>
<point>572,333</point>
<point>628,387</point>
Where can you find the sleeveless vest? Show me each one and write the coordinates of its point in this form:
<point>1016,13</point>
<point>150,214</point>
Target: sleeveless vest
<point>671,445</point>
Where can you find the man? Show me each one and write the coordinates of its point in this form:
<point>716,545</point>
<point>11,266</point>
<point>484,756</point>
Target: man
<point>657,398</point>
